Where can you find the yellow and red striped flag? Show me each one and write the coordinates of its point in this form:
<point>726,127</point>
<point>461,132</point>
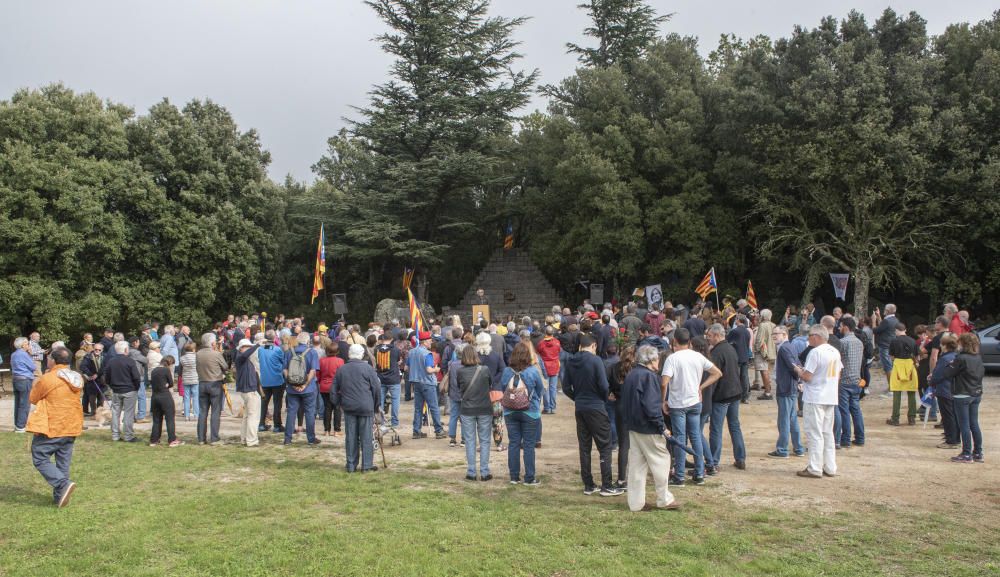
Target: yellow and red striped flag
<point>407,277</point>
<point>320,265</point>
<point>751,296</point>
<point>707,285</point>
<point>416,319</point>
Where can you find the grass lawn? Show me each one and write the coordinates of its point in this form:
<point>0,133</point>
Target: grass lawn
<point>276,511</point>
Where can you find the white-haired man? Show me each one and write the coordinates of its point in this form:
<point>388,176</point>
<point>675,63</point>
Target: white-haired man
<point>820,397</point>
<point>764,353</point>
<point>356,389</point>
<point>123,378</point>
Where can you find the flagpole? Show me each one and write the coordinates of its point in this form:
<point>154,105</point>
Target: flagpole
<point>718,306</point>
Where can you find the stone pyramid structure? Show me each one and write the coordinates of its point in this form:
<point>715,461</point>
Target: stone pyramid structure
<point>513,285</point>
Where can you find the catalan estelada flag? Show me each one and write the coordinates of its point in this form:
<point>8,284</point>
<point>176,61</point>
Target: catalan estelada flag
<point>320,265</point>
<point>508,239</point>
<point>416,319</point>
<point>708,284</point>
<point>751,296</point>
<point>407,277</point>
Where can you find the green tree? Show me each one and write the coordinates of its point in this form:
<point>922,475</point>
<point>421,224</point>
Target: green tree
<point>68,195</point>
<point>847,164</point>
<point>624,30</point>
<point>416,165</point>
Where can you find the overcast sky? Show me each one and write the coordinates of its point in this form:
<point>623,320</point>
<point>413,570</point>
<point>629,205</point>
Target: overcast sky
<point>293,68</point>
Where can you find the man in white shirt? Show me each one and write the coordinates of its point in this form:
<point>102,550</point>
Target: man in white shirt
<point>681,393</point>
<point>820,396</point>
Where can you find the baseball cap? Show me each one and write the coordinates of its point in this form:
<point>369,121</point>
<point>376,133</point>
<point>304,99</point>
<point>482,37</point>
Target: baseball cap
<point>244,343</point>
<point>424,336</point>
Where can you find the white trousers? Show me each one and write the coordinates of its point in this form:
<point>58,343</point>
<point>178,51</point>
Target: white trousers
<point>648,453</point>
<point>251,418</point>
<point>818,421</point>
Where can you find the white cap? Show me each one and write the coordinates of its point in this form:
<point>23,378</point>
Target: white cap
<point>244,343</point>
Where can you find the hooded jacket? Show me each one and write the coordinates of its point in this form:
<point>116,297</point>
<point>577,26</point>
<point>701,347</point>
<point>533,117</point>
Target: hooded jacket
<point>586,382</point>
<point>56,396</point>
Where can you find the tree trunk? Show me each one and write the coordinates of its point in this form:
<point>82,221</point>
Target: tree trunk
<point>862,282</point>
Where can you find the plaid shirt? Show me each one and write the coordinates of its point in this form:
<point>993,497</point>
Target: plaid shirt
<point>851,353</point>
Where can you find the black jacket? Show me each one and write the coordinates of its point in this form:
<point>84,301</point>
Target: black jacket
<point>586,382</point>
<point>570,341</point>
<point>966,373</point>
<point>729,387</point>
<point>121,374</point>
<point>356,388</point>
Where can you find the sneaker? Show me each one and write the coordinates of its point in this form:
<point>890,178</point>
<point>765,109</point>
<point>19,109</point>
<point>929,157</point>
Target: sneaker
<point>765,397</point>
<point>699,480</point>
<point>611,491</point>
<point>488,477</point>
<point>712,471</point>
<point>963,458</point>
<point>808,474</point>
<point>132,440</point>
<point>589,490</point>
<point>532,483</point>
<point>515,481</point>
<point>858,444</point>
<point>261,429</point>
<point>64,500</point>
<point>176,443</point>
<point>16,430</point>
<point>741,465</point>
<point>675,482</point>
<point>470,478</point>
<point>372,470</point>
<point>154,444</point>
<point>314,442</point>
<point>278,429</point>
<point>440,435</point>
<point>978,458</point>
<point>623,485</point>
<point>218,443</point>
<point>892,423</point>
<point>802,454</point>
<point>948,446</point>
<point>777,455</point>
<point>419,435</point>
<point>452,442</point>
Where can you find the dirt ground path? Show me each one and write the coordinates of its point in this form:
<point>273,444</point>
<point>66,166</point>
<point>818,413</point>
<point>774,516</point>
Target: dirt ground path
<point>898,466</point>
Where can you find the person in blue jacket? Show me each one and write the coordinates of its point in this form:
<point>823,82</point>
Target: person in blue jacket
<point>304,394</point>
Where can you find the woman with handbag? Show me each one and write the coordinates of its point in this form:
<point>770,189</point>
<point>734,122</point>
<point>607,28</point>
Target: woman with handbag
<point>476,413</point>
<point>523,390</point>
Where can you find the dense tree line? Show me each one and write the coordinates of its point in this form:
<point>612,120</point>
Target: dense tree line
<point>849,147</point>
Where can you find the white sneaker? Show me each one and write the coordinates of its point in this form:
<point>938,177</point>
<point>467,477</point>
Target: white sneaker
<point>19,431</point>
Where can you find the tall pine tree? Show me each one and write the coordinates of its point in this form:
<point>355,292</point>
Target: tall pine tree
<point>416,163</point>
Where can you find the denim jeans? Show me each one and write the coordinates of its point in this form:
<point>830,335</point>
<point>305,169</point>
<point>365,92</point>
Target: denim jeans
<point>123,410</point>
<point>308,402</point>
<point>521,429</point>
<point>745,380</point>
<point>454,415</point>
<point>885,359</point>
<point>706,449</point>
<point>320,403</point>
<point>788,426</point>
<point>477,427</point>
<point>686,423</point>
<point>43,449</point>
<point>550,394</point>
<point>190,403</point>
<point>210,399</point>
<point>358,436</point>
<point>426,393</point>
<point>850,412</point>
<point>731,413</point>
<point>967,412</point>
<point>22,406</point>
<point>393,390</point>
<point>140,407</point>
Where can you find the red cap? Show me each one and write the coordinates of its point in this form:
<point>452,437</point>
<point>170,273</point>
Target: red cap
<point>593,315</point>
<point>424,336</point>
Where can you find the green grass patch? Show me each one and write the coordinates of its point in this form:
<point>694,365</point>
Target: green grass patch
<point>278,511</point>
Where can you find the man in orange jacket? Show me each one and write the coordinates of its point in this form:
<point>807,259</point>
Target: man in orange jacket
<point>56,423</point>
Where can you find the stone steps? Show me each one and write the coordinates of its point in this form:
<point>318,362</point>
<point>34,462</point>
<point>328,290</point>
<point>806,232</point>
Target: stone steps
<point>513,285</point>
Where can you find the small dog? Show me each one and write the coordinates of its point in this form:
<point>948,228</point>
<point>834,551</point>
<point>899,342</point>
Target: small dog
<point>102,415</point>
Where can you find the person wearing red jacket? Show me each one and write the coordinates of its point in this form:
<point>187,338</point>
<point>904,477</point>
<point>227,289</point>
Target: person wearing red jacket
<point>548,350</point>
<point>328,366</point>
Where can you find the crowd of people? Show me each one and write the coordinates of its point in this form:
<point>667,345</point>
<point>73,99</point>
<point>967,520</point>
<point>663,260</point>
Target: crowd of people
<point>645,383</point>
